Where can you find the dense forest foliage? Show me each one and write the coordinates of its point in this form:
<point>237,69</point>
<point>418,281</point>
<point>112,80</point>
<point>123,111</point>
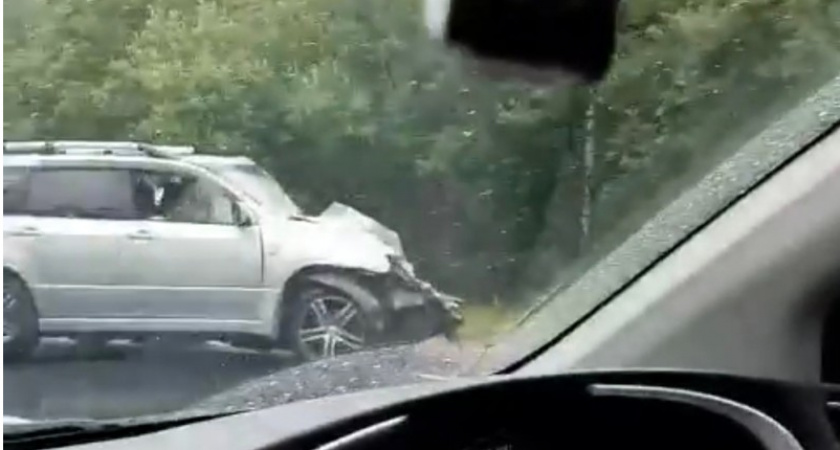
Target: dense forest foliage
<point>495,189</point>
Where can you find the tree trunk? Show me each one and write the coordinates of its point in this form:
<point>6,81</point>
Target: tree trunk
<point>588,161</point>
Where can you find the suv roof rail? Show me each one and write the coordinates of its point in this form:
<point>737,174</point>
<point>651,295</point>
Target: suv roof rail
<point>96,148</point>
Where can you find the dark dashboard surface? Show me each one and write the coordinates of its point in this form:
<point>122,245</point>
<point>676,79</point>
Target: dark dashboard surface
<point>565,421</point>
<point>596,410</point>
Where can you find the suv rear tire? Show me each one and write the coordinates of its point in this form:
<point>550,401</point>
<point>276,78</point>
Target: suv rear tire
<point>20,320</point>
<point>324,322</point>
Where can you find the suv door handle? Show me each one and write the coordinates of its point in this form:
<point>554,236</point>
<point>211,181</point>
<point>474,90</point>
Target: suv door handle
<point>28,230</point>
<point>141,235</point>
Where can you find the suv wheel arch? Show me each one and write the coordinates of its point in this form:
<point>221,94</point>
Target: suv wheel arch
<point>347,280</point>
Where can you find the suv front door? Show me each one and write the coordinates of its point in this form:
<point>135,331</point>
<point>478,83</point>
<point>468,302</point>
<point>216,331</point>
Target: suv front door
<point>196,258</point>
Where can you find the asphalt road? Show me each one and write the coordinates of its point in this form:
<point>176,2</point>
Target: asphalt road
<point>124,380</point>
<point>64,381</point>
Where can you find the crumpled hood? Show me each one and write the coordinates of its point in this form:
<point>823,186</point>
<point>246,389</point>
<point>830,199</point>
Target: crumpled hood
<point>342,216</point>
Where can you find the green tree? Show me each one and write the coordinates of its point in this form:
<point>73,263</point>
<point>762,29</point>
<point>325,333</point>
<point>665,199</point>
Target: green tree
<point>496,190</point>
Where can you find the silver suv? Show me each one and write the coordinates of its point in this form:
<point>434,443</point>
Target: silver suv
<point>119,239</point>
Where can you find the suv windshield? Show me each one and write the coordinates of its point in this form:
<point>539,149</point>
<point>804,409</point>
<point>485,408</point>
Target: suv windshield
<point>258,184</point>
<point>450,224</point>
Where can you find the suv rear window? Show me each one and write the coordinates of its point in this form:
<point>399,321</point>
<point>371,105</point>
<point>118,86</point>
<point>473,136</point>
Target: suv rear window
<point>82,193</point>
<point>14,189</point>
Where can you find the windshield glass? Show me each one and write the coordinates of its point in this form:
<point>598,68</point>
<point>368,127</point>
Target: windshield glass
<point>470,208</point>
<point>257,184</point>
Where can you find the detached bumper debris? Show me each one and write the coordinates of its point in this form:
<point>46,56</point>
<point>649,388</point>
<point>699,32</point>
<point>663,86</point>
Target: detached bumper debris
<point>453,317</point>
<point>451,309</point>
<point>422,311</point>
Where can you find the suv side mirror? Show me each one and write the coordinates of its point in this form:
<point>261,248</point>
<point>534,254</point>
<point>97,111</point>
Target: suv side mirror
<point>241,217</point>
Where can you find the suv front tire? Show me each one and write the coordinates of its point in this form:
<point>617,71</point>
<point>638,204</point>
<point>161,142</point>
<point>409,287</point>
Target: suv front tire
<point>326,321</point>
<point>20,320</point>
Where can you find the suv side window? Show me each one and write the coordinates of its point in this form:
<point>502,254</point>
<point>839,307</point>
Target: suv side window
<point>81,193</point>
<point>188,199</point>
<point>15,187</point>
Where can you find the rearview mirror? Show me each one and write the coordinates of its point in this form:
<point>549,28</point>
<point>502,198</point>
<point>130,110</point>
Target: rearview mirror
<point>542,41</point>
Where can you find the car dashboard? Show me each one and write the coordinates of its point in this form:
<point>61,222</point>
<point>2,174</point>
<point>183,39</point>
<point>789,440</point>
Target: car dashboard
<point>603,411</point>
<point>588,410</point>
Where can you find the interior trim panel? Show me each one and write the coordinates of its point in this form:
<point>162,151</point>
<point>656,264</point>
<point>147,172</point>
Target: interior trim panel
<point>766,429</point>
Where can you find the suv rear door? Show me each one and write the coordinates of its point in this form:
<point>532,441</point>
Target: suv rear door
<point>72,223</point>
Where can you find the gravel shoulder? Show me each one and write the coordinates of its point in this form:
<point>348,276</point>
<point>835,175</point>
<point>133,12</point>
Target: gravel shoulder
<point>432,360</point>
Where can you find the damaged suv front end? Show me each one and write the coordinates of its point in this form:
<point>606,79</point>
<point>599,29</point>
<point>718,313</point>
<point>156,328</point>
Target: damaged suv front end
<point>349,251</point>
<point>417,309</point>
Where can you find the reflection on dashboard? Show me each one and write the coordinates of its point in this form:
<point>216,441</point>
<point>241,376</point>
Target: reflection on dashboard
<point>571,415</point>
<point>600,424</point>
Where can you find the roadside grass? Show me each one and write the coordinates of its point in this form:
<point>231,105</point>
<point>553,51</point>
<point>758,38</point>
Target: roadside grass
<point>483,322</point>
